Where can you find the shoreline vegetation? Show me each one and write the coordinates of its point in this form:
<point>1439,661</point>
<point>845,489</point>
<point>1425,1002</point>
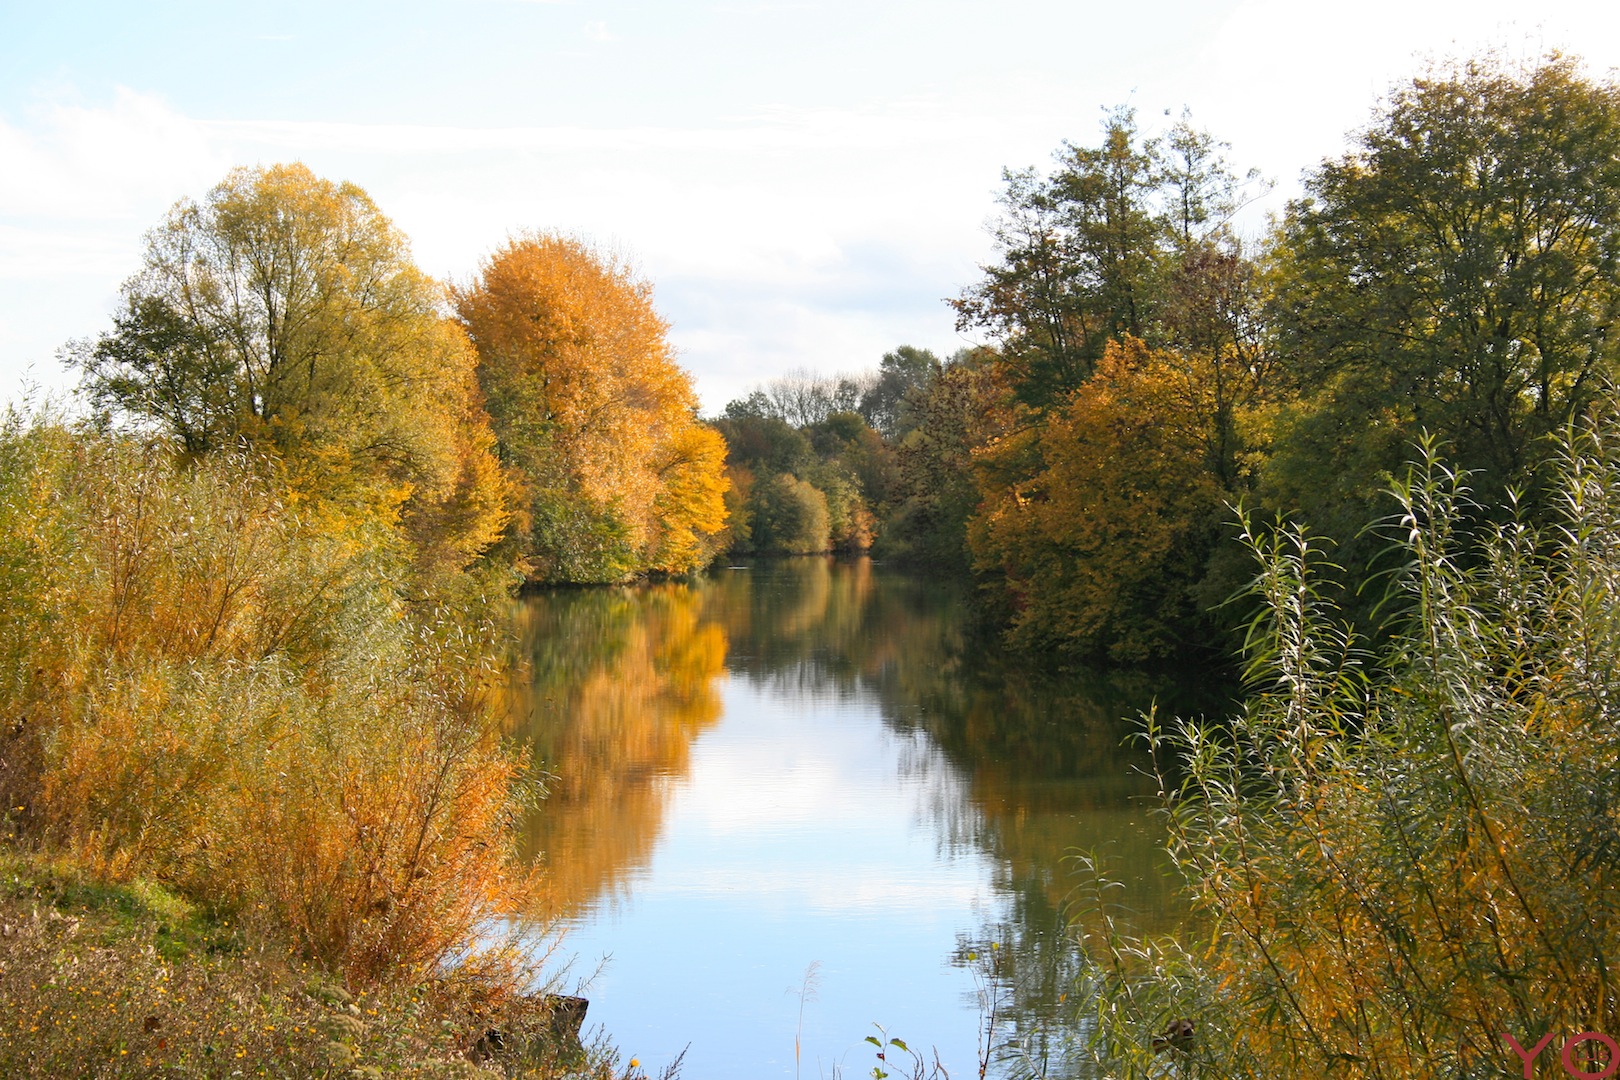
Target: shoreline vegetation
<point>251,737</point>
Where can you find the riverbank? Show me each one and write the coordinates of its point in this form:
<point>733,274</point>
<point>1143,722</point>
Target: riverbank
<point>131,980</point>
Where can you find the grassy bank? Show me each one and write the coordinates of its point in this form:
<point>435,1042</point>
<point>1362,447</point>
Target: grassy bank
<point>130,980</point>
<point>255,795</point>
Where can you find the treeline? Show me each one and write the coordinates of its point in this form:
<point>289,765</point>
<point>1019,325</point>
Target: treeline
<point>1452,277</point>
<point>811,460</point>
<point>533,421</point>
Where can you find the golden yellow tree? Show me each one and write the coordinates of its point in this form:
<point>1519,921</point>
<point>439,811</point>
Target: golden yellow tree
<point>1101,548</point>
<point>283,311</point>
<point>593,414</point>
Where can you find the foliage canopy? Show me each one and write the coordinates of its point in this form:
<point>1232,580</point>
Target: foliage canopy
<point>593,415</point>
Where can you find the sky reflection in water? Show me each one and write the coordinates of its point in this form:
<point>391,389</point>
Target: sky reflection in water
<point>814,763</point>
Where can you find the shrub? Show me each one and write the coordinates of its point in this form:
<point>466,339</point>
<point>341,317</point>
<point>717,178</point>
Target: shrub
<point>206,683</point>
<point>1397,864</point>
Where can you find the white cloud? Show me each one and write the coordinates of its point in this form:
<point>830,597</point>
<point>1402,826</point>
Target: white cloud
<point>76,163</point>
<point>598,31</point>
<point>79,185</point>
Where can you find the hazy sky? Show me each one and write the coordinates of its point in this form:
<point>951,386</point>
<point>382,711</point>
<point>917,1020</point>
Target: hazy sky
<point>804,181</point>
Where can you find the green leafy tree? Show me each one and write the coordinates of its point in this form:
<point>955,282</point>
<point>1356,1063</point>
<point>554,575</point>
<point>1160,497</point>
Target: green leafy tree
<point>962,411</point>
<point>1112,242</point>
<point>902,374</point>
<point>1459,273</point>
<point>283,311</point>
<point>790,516</point>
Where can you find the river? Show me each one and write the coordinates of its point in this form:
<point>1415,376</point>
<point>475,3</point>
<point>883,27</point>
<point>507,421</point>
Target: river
<point>796,800</point>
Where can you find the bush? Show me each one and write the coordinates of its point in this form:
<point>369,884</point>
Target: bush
<point>1396,865</point>
<point>790,516</point>
<point>206,684</point>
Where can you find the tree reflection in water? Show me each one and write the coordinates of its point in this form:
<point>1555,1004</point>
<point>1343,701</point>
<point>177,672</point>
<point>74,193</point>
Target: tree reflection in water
<point>613,686</point>
<point>621,681</point>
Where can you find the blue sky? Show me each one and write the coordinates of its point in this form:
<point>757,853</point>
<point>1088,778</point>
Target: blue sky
<point>804,181</point>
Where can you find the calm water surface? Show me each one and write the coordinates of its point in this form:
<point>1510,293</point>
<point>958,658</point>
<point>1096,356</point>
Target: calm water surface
<point>798,799</point>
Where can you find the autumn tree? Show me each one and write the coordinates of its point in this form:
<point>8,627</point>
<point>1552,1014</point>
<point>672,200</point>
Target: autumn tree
<point>962,411</point>
<point>1104,547</point>
<point>593,414</point>
<point>283,312</point>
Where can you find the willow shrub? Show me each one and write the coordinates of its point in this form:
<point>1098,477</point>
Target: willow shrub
<point>204,684</point>
<point>1398,864</point>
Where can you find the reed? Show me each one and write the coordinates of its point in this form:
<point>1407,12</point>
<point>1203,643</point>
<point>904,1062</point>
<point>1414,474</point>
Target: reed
<point>1399,859</point>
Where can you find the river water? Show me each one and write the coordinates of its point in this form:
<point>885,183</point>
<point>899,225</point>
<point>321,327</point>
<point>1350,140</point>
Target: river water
<point>797,800</point>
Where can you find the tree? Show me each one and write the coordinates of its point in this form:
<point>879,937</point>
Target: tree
<point>1458,272</point>
<point>903,373</point>
<point>790,516</point>
<point>964,410</point>
<point>284,311</point>
<point>1078,255</point>
<point>690,511</point>
<point>1102,549</point>
<point>593,414</point>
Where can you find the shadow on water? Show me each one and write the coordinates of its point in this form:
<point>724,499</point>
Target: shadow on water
<point>621,682</point>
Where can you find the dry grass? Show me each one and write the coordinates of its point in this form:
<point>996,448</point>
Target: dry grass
<point>102,980</point>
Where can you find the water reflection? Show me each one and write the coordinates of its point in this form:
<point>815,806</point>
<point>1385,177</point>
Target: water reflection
<point>870,767</point>
<point>615,684</point>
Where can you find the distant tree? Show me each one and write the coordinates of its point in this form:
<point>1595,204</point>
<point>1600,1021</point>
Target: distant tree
<point>690,510</point>
<point>939,487</point>
<point>803,398</point>
<point>764,443</point>
<point>903,373</point>
<point>790,516</point>
<point>756,406</point>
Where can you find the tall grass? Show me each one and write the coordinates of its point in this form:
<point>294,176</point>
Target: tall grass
<point>206,682</point>
<point>1398,863</point>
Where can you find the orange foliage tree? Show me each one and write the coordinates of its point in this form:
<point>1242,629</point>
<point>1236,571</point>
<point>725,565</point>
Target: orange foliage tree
<point>592,414</point>
<point>1104,546</point>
